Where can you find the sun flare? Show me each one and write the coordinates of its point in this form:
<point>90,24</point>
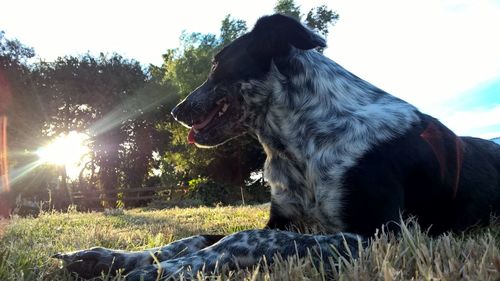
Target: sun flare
<point>67,150</point>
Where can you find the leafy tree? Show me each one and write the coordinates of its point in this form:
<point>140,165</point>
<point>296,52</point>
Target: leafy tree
<point>22,107</point>
<point>18,96</point>
<point>116,102</point>
<point>186,68</point>
<point>231,29</point>
<point>288,7</point>
<point>13,52</point>
<point>319,18</point>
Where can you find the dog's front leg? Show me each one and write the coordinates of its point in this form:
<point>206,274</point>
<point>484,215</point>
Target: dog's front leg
<point>92,262</point>
<point>246,248</point>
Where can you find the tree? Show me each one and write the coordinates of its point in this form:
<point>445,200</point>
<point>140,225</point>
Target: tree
<point>114,101</point>
<point>319,18</point>
<point>231,29</point>
<point>186,68</point>
<point>22,110</point>
<point>19,100</point>
<point>288,7</point>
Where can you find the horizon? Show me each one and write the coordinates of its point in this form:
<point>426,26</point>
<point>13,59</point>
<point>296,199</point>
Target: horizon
<point>441,56</point>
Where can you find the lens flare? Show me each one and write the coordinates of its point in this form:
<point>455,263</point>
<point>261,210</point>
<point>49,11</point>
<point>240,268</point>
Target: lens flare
<point>67,150</point>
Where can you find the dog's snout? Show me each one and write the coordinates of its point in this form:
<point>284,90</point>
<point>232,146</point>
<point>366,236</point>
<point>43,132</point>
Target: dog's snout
<point>175,111</point>
<point>181,115</point>
<point>187,110</point>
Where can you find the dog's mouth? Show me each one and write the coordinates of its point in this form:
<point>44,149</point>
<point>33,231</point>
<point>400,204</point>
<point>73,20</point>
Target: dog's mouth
<point>209,120</point>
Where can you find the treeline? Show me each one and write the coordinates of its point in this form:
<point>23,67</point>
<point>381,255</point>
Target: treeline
<point>124,107</point>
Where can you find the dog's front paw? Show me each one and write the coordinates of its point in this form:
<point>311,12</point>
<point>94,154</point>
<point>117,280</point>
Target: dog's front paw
<point>147,273</point>
<point>92,262</point>
<point>167,270</point>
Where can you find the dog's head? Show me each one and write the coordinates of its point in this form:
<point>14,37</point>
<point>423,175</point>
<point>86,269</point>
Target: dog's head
<point>218,110</point>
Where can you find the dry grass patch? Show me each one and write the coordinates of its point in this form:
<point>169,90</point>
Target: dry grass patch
<point>28,243</point>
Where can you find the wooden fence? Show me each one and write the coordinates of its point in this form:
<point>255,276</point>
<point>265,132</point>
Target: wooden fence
<point>126,195</point>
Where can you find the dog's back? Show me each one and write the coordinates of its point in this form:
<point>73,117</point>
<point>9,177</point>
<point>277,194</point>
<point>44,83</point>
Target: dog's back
<point>446,182</point>
<point>484,151</point>
<point>480,178</point>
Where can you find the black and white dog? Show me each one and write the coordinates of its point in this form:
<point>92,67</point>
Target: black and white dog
<point>343,157</point>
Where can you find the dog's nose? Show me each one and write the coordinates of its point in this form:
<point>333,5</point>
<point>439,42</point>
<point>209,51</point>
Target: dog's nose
<point>175,112</point>
<point>181,115</point>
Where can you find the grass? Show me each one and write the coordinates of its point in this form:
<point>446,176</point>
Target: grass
<point>26,245</point>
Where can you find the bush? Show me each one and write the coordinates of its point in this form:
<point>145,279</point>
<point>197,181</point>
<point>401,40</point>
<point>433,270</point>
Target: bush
<point>208,191</point>
<point>257,193</point>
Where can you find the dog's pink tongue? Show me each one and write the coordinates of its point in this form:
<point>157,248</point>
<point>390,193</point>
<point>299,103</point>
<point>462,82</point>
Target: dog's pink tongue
<point>191,136</point>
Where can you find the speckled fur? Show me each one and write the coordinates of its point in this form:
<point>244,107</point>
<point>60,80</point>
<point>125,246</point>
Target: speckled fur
<point>317,120</point>
<point>247,248</point>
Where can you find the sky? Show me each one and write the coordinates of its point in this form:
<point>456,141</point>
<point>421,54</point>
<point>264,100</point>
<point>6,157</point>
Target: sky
<point>442,56</point>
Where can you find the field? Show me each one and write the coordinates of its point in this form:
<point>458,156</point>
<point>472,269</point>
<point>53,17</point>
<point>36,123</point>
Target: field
<point>26,245</point>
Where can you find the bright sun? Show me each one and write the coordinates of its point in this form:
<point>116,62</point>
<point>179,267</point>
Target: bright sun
<point>67,150</point>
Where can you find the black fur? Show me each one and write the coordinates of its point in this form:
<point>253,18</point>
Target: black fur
<point>404,176</point>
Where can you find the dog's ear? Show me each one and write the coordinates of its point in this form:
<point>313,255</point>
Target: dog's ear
<point>273,35</point>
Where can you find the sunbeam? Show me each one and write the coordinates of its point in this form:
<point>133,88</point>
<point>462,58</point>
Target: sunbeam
<point>129,110</point>
<point>18,173</point>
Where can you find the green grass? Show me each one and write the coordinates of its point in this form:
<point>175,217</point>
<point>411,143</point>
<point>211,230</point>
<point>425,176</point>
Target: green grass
<point>26,245</point>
